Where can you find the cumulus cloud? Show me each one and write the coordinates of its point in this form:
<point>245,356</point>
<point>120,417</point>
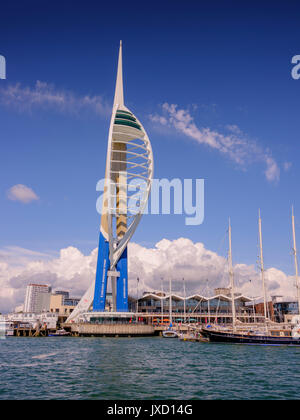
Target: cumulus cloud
<point>234,144</point>
<point>202,269</point>
<point>69,270</point>
<point>22,193</point>
<point>46,96</point>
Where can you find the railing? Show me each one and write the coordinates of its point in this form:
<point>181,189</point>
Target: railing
<point>199,314</point>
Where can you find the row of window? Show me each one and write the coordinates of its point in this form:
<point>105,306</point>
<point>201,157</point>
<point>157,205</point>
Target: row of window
<point>215,303</point>
<point>33,315</point>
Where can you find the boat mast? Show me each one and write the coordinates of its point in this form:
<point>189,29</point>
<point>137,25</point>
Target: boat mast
<point>137,298</point>
<point>231,278</point>
<point>262,266</point>
<point>162,302</point>
<point>170,302</point>
<point>184,302</point>
<point>296,262</point>
<point>208,305</point>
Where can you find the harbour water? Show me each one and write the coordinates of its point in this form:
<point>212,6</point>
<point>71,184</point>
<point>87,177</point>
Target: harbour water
<point>145,368</point>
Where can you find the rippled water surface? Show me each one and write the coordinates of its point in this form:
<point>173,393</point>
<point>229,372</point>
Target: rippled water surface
<point>145,368</point>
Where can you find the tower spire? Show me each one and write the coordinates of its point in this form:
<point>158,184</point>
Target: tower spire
<point>119,96</point>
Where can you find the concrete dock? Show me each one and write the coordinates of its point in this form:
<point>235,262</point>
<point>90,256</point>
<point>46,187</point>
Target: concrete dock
<point>110,330</point>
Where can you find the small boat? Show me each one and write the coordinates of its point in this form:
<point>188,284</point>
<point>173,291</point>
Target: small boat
<point>193,337</point>
<point>9,332</point>
<point>187,337</point>
<point>9,328</point>
<point>59,333</point>
<point>6,328</point>
<point>170,333</point>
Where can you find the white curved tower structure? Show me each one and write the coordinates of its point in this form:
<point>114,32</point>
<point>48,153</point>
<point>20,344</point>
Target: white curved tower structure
<point>128,176</point>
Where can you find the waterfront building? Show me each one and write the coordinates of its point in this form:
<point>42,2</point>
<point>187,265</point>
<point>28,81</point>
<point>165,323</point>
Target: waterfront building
<point>196,308</point>
<point>37,298</point>
<point>261,307</point>
<point>33,320</point>
<point>63,293</point>
<point>279,308</point>
<point>284,308</point>
<point>62,305</point>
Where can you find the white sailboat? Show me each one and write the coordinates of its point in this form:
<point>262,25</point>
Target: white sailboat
<point>170,333</point>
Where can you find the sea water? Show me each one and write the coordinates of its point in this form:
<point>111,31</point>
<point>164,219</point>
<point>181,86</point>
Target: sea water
<point>145,368</point>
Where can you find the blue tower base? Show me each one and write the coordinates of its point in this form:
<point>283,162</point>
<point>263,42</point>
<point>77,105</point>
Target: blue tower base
<point>103,266</point>
<point>122,283</point>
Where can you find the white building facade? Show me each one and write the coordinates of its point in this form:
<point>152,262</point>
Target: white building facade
<point>34,320</point>
<point>37,298</point>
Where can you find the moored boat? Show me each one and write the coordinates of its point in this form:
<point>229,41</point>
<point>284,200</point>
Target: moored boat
<point>272,337</point>
<point>6,328</point>
<point>268,333</point>
<point>169,333</point>
<point>59,333</point>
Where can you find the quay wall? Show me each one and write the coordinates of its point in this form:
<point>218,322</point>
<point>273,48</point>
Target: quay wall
<point>113,330</point>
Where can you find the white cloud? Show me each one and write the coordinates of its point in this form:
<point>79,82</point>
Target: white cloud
<point>70,270</point>
<point>287,166</point>
<point>234,128</point>
<point>202,269</point>
<point>47,96</point>
<point>235,145</point>
<point>22,193</point>
<point>272,172</point>
<point>16,256</point>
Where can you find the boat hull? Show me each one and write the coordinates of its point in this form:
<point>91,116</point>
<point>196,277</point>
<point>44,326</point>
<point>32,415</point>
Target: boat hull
<point>228,337</point>
<point>59,333</point>
<point>170,334</point>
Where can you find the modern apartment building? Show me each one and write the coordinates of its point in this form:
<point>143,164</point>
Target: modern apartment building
<point>37,298</point>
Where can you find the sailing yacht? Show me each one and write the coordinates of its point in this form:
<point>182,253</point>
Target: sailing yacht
<point>271,335</point>
<point>170,333</point>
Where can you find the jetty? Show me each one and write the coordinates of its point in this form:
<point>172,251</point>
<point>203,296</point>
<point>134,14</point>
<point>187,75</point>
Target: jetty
<point>109,330</point>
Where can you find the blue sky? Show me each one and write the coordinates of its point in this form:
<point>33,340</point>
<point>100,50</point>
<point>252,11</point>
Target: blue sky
<point>226,64</point>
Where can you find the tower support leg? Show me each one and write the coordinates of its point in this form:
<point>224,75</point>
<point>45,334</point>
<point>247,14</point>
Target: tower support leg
<point>103,265</point>
<point>122,283</point>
